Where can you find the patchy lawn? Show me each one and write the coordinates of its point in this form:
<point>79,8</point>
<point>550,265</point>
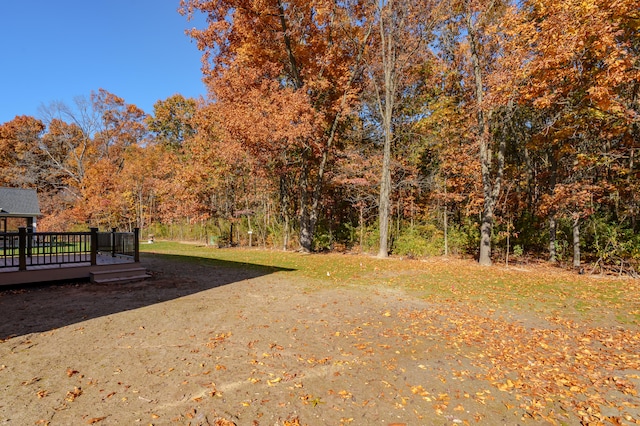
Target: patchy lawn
<point>256,337</point>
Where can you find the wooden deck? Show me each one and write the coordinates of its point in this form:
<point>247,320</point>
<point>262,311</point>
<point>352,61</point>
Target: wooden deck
<point>82,268</point>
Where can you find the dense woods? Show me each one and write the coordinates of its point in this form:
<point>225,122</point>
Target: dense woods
<point>497,129</point>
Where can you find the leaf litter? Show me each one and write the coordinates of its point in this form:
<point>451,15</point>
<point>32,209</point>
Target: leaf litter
<point>289,348</point>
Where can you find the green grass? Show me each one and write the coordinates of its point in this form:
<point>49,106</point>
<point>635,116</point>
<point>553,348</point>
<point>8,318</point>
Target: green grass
<point>539,290</point>
<point>59,248</point>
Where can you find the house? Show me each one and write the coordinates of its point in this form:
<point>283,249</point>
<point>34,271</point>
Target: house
<point>18,203</point>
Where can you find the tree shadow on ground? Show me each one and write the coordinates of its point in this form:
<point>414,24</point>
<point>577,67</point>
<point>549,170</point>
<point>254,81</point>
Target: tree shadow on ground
<point>44,307</point>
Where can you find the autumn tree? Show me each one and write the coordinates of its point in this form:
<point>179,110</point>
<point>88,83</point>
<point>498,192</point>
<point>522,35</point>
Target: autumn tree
<point>470,40</point>
<point>121,125</point>
<point>121,128</point>
<point>20,156</point>
<point>285,74</point>
<point>172,120</point>
<point>83,152</point>
<point>68,144</point>
<point>579,70</point>
<point>402,29</point>
<point>483,44</point>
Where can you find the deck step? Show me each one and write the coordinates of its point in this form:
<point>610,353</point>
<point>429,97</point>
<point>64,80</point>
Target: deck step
<point>119,275</point>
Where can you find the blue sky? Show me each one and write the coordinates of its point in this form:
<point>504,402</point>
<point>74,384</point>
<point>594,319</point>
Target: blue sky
<point>55,50</point>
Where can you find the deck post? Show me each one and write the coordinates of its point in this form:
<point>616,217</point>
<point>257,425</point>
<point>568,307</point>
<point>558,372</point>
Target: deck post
<point>136,245</point>
<point>22,249</point>
<point>30,236</point>
<point>94,246</point>
<point>113,242</point>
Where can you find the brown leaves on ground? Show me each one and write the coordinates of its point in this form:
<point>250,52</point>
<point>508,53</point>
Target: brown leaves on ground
<point>292,421</point>
<point>72,395</point>
<point>557,363</point>
<point>217,339</point>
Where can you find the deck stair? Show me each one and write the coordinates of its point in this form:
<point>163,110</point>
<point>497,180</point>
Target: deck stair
<point>124,274</point>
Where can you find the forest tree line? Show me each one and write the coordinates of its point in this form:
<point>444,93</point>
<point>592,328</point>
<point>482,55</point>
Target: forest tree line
<point>412,127</point>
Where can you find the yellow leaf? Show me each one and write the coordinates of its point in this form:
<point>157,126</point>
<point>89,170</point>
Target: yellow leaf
<point>274,381</point>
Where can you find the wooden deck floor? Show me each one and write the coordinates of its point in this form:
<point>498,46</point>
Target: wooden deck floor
<point>39,271</point>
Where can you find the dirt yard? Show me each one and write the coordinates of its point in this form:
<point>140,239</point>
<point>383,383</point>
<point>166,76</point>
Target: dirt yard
<point>203,345</point>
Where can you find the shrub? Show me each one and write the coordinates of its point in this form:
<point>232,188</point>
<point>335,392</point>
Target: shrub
<point>425,240</point>
<point>371,240</point>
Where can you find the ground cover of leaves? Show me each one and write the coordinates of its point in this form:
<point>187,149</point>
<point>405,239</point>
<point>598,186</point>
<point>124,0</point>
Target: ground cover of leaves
<point>265,338</point>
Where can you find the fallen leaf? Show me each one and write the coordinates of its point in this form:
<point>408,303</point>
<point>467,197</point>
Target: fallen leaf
<point>72,395</point>
<point>224,422</point>
<point>345,394</point>
<point>292,422</point>
<point>30,382</point>
<point>274,381</point>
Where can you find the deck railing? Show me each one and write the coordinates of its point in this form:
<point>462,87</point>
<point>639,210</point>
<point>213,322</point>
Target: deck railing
<point>118,243</point>
<point>23,248</point>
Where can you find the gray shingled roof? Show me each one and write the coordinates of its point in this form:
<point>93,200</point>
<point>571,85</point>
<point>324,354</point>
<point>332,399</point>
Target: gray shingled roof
<point>19,202</point>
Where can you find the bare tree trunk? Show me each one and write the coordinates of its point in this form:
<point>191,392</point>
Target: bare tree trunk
<point>552,239</point>
<point>552,219</point>
<point>306,231</point>
<point>396,52</point>
<point>576,242</point>
<point>506,258</point>
<point>285,237</point>
<point>486,230</point>
<point>634,208</point>
<point>307,224</point>
<point>385,200</point>
<point>284,210</point>
<point>361,220</point>
<point>446,222</point>
<point>386,108</point>
<point>490,183</point>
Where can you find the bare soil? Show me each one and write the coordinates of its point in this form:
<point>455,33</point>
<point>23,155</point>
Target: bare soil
<point>204,345</point>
